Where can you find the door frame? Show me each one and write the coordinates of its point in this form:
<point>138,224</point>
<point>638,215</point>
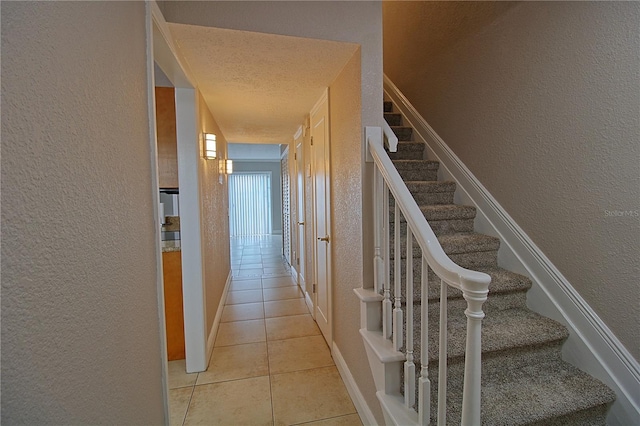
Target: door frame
<point>300,219</point>
<point>323,102</point>
<point>161,50</point>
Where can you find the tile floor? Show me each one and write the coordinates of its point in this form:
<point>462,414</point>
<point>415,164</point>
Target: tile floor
<point>270,365</point>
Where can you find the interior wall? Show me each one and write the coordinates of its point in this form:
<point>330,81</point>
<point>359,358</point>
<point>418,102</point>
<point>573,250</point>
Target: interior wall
<point>80,331</point>
<point>541,101</point>
<point>215,217</point>
<point>276,186</point>
<point>346,197</point>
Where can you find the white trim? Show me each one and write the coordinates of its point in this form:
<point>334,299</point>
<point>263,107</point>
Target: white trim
<point>365,413</point>
<point>591,346</point>
<point>153,145</point>
<point>216,321</point>
<point>308,299</point>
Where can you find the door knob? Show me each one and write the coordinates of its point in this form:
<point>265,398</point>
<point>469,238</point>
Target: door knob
<point>325,239</point>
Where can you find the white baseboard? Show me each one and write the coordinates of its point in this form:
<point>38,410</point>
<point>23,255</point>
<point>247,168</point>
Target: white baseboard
<point>591,346</point>
<point>365,413</point>
<point>309,301</point>
<point>216,321</point>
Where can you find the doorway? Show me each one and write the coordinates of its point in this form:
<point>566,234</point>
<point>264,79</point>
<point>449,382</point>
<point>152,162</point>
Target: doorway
<point>250,204</point>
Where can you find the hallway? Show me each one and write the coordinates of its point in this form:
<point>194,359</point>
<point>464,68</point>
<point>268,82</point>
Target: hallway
<point>270,365</point>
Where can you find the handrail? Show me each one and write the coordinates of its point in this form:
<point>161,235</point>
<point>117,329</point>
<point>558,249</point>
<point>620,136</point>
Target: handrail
<point>442,265</point>
<point>473,284</point>
<point>392,139</point>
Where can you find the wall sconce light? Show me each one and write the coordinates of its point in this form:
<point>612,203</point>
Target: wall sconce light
<point>209,146</point>
<point>225,167</point>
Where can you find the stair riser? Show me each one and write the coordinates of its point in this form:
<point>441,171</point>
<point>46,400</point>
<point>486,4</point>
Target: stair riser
<point>393,119</point>
<point>387,106</point>
<point>426,198</point>
<point>441,227</point>
<point>414,175</point>
<point>403,133</point>
<point>407,154</point>
<point>473,260</point>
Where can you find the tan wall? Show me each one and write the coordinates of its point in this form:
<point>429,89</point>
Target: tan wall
<point>215,219</point>
<point>80,331</point>
<point>346,199</point>
<point>541,101</point>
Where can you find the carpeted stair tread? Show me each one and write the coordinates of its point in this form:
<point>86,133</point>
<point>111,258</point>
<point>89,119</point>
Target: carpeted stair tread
<point>535,393</point>
<point>431,186</point>
<point>416,164</point>
<point>502,281</point>
<point>468,243</point>
<point>436,212</point>
<point>502,331</point>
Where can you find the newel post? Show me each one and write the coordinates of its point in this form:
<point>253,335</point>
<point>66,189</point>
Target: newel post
<point>473,355</point>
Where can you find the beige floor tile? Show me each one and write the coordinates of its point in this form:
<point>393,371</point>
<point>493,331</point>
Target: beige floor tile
<point>249,284</point>
<point>178,404</point>
<point>238,402</point>
<point>309,395</point>
<point>282,308</point>
<point>249,273</point>
<point>242,312</point>
<point>302,353</point>
<point>290,327</point>
<point>277,282</point>
<point>281,293</point>
<point>178,376</point>
<point>244,296</point>
<point>350,420</point>
<point>236,362</point>
<point>240,332</point>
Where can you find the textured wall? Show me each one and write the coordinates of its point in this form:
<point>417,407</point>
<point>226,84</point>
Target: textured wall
<point>80,330</point>
<point>541,101</point>
<point>346,196</point>
<point>215,218</point>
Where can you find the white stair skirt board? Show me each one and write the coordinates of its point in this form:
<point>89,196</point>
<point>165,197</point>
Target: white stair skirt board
<point>591,346</point>
<point>366,416</point>
<point>216,321</point>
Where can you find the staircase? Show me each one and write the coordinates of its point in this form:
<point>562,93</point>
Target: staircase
<point>524,379</point>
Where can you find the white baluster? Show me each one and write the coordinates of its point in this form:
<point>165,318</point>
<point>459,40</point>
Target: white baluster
<point>424,384</point>
<point>387,306</point>
<point>473,357</point>
<point>378,278</point>
<point>397,311</point>
<point>409,366</point>
<point>442,355</point>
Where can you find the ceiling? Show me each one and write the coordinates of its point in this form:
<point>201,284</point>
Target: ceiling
<point>259,87</point>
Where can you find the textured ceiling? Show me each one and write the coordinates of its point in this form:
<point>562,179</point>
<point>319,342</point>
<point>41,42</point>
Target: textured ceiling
<point>259,86</point>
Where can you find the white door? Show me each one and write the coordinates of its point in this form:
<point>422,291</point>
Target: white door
<point>321,181</point>
<point>300,221</point>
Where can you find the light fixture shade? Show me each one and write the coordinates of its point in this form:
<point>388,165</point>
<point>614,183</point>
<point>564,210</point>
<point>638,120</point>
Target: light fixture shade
<point>209,146</point>
<point>229,167</point>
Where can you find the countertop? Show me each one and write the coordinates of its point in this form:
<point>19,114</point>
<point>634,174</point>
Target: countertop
<point>171,245</point>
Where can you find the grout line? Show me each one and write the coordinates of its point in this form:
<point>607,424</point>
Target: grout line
<point>184,418</point>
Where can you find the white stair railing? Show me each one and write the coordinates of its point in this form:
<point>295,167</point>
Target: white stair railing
<point>474,286</point>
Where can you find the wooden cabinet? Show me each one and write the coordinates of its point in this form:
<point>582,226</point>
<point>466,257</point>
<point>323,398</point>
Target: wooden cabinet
<point>173,310</point>
<point>167,140</point>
